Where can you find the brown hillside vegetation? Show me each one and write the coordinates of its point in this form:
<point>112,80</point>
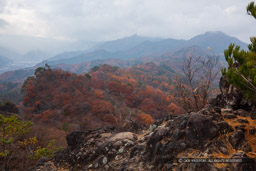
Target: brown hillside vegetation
<point>106,96</point>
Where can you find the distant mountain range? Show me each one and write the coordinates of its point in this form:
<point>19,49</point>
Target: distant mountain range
<point>125,52</point>
<point>136,47</point>
<point>104,50</point>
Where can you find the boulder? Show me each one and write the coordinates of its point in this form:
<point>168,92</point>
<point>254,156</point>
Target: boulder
<point>200,130</point>
<point>123,136</point>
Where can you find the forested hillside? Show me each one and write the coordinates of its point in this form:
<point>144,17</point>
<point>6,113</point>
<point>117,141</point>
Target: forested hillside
<point>105,96</point>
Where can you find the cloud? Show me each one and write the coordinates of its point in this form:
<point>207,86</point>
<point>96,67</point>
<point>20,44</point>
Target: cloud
<point>2,23</point>
<point>111,19</point>
<point>2,4</point>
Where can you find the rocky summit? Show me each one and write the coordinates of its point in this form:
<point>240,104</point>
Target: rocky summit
<point>220,137</point>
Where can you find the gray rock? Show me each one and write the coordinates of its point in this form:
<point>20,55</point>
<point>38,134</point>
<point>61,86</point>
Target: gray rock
<point>105,160</point>
<point>152,127</point>
<point>121,150</point>
<point>122,136</point>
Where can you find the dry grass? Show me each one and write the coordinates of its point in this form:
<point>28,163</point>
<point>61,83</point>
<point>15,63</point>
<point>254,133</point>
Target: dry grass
<point>250,139</point>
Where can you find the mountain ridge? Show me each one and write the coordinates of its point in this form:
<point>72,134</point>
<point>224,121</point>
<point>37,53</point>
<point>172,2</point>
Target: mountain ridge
<point>216,42</point>
<point>143,52</point>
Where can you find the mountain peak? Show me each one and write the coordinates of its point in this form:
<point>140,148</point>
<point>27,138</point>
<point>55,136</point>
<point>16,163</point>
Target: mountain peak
<point>215,32</point>
<point>216,40</point>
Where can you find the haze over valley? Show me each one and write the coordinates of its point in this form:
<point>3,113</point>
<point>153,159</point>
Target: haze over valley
<point>129,48</point>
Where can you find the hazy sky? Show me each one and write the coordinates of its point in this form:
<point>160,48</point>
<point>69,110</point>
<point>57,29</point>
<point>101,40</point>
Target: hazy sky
<point>98,20</point>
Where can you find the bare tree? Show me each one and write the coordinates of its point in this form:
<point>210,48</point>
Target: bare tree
<point>195,86</point>
<point>211,70</point>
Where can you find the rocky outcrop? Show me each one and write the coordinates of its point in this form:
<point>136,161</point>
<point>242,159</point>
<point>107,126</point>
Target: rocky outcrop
<point>206,134</point>
<point>232,98</point>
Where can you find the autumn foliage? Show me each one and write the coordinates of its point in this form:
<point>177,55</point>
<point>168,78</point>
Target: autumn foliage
<point>105,96</point>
